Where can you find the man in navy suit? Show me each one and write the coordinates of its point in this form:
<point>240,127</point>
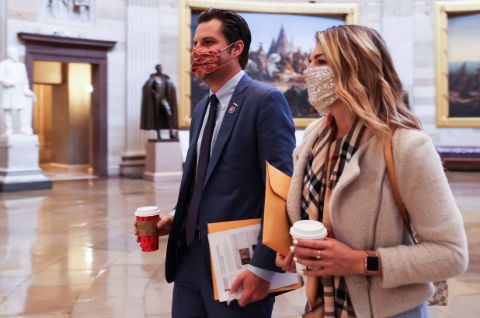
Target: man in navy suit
<point>234,131</point>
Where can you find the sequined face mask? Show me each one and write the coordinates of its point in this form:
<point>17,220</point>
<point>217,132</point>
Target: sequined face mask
<point>206,61</point>
<point>320,82</point>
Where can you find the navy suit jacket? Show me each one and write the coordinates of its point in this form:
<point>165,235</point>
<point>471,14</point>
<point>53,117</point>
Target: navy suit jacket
<point>257,127</point>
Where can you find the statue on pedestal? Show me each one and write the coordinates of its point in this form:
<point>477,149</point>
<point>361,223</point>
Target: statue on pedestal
<point>159,104</point>
<point>16,97</point>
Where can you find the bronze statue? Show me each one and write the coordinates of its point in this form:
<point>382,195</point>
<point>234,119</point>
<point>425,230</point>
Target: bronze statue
<point>159,104</point>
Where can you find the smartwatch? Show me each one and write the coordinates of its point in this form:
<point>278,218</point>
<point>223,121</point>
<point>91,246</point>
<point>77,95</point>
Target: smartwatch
<point>372,263</point>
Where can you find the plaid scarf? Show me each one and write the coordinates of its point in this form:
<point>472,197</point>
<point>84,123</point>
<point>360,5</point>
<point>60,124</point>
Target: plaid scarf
<point>328,296</point>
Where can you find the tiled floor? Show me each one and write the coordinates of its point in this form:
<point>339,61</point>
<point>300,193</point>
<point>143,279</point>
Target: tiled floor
<point>70,252</point>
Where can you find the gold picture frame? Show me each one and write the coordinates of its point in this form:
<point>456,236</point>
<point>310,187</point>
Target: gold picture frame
<point>451,97</point>
<point>347,12</point>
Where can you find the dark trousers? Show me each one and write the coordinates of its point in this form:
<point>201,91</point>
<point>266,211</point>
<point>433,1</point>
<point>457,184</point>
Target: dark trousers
<point>193,292</point>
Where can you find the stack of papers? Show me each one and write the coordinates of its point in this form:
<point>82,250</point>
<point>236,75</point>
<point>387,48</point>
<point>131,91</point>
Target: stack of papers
<point>232,245</point>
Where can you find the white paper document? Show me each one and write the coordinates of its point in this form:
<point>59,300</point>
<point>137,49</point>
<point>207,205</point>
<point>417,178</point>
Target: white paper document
<point>231,251</point>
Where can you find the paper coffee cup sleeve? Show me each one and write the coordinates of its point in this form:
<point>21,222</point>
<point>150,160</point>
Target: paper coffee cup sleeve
<point>147,228</point>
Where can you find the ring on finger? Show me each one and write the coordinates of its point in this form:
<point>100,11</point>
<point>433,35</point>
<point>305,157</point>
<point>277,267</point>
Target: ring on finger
<point>318,255</point>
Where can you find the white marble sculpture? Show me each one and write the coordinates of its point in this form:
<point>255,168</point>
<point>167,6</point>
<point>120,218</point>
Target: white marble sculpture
<point>16,97</point>
<point>68,9</point>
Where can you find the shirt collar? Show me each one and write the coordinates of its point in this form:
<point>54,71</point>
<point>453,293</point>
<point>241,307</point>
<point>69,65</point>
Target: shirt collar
<point>225,93</point>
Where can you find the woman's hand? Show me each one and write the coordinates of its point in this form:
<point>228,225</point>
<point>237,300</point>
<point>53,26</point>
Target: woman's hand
<point>286,262</point>
<point>329,257</point>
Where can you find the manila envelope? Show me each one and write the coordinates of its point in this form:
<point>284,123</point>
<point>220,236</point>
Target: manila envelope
<point>276,224</point>
<point>223,226</point>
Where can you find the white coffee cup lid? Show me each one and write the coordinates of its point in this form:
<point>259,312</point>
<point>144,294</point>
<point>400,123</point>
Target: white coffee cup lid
<point>308,229</point>
<point>147,211</point>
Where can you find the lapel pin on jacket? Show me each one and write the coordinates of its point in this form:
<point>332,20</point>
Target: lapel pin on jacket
<point>233,108</point>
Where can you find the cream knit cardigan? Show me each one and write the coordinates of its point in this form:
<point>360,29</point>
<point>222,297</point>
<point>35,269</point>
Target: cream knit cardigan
<point>364,216</point>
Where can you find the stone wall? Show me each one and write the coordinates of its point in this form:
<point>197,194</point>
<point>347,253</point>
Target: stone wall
<point>147,33</point>
<point>409,30</point>
<point>108,23</point>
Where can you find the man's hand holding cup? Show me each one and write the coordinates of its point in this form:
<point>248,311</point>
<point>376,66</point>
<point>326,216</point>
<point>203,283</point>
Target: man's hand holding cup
<point>149,225</point>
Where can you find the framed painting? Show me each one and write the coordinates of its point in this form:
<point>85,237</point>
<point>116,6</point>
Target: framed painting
<point>279,51</point>
<point>458,64</point>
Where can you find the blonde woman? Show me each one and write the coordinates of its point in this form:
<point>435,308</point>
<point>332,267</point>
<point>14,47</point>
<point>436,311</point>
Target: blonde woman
<point>368,266</point>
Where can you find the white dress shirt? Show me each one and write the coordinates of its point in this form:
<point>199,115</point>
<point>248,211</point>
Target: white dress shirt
<point>224,95</point>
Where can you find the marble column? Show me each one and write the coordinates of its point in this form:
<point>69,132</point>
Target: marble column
<point>3,28</point>
<point>397,30</point>
<point>143,33</point>
<point>168,40</point>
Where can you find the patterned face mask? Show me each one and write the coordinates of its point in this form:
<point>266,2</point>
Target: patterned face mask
<point>206,61</point>
<point>320,82</point>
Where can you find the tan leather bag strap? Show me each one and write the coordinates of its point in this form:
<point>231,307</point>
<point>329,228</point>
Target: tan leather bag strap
<point>392,176</point>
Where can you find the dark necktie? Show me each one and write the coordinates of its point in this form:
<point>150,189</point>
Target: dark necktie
<point>201,172</point>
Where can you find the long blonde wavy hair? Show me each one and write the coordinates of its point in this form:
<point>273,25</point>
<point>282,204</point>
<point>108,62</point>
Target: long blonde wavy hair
<point>365,77</point>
